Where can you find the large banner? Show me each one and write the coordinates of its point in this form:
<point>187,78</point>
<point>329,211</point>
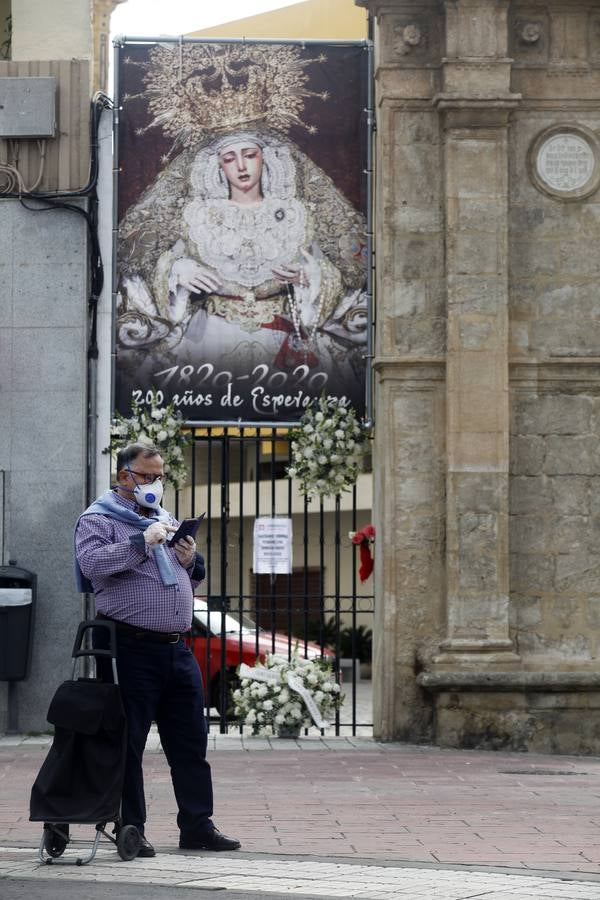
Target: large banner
<point>242,253</point>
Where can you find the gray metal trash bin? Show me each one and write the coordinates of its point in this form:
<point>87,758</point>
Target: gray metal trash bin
<point>17,603</point>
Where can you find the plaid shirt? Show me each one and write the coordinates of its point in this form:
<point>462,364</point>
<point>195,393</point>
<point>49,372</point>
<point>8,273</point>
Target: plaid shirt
<point>125,576</point>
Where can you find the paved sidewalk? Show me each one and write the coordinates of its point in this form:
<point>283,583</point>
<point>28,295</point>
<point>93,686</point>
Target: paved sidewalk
<point>316,879</point>
<point>342,817</point>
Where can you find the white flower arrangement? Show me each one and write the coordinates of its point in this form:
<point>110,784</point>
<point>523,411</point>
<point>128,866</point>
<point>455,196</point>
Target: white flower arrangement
<point>282,693</point>
<point>327,449</point>
<point>158,425</point>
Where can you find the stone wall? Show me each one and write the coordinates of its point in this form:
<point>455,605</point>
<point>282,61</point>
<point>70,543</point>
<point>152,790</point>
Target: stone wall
<point>57,30</point>
<point>488,373</point>
<point>555,505</point>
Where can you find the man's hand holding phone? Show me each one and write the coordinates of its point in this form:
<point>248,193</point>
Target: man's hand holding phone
<point>183,541</point>
<point>185,551</point>
<point>187,528</point>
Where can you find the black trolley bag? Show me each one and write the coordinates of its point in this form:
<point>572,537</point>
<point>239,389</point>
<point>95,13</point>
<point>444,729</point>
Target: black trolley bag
<point>81,779</point>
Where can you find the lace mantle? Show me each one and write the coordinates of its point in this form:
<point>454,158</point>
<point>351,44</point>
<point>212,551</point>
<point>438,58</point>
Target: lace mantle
<point>243,243</point>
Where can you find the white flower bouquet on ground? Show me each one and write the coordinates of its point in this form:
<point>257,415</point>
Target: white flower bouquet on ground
<point>327,449</point>
<point>287,695</point>
<point>158,425</point>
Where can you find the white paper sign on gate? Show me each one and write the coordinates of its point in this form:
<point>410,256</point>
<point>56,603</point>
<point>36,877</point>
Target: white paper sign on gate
<point>272,546</point>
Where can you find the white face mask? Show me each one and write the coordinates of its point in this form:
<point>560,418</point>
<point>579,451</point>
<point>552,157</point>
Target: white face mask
<point>149,495</point>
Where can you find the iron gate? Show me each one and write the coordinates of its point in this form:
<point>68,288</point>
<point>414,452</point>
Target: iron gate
<point>236,475</point>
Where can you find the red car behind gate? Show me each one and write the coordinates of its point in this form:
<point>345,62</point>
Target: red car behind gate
<point>244,642</point>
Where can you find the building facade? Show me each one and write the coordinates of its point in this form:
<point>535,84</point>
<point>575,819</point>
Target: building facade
<point>487,368</point>
<point>488,372</point>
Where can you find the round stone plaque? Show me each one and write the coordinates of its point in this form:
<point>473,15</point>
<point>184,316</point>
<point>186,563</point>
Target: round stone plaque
<point>564,162</point>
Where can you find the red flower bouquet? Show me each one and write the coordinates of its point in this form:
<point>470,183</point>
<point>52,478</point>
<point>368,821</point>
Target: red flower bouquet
<point>364,538</point>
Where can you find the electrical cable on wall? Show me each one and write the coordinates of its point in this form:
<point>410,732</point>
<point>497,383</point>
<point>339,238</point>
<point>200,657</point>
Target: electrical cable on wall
<point>57,200</point>
<point>45,201</point>
<point>10,171</point>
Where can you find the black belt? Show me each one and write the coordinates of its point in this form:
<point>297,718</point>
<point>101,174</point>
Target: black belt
<point>142,634</point>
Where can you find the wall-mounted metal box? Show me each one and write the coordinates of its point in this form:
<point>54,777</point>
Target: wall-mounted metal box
<point>27,106</point>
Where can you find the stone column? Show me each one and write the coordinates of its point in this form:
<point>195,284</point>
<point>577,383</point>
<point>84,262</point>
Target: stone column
<point>475,102</point>
<point>409,453</point>
<point>101,48</point>
<point>441,432</point>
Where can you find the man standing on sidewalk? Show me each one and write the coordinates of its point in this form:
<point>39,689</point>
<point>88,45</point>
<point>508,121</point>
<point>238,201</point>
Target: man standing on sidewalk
<point>146,587</point>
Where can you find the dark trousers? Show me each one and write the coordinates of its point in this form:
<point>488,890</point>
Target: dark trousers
<point>162,683</point>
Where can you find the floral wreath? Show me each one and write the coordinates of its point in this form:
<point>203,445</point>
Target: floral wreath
<point>160,426</point>
<point>286,692</point>
<point>327,449</point>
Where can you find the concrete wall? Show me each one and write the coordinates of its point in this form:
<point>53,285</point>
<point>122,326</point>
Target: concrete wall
<point>55,29</point>
<point>44,288</point>
<point>43,324</point>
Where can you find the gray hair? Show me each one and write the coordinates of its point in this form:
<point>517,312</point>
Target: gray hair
<point>131,452</point>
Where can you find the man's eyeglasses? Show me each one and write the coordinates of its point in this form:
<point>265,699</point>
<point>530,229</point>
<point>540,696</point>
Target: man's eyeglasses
<point>146,478</point>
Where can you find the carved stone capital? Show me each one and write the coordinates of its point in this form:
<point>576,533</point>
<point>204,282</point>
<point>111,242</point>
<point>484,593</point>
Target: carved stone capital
<point>101,12</point>
<point>102,8</point>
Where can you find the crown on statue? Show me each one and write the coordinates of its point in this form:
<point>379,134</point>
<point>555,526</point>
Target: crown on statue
<point>195,90</point>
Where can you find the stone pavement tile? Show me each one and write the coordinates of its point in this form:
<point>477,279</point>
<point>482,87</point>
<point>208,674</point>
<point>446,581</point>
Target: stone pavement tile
<point>314,832</point>
<point>10,740</point>
<point>289,745</point>
<point>315,848</point>
<point>339,745</point>
<point>583,868</point>
<point>253,743</point>
<point>399,840</point>
<point>575,894</point>
<point>316,879</point>
<point>310,745</point>
<point>491,832</point>
<point>227,747</point>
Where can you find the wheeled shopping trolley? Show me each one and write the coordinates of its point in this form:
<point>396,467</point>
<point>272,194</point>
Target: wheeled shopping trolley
<point>81,779</point>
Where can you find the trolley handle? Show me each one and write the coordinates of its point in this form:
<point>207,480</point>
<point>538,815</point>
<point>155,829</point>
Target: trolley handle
<point>95,623</point>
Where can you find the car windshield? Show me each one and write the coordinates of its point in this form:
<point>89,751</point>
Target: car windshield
<point>232,624</point>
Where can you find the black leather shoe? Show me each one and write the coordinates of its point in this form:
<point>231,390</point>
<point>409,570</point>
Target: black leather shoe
<point>210,840</point>
<point>146,849</point>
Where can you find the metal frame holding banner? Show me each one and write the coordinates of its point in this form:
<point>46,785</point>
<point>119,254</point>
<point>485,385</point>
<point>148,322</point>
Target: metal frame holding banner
<point>243,227</point>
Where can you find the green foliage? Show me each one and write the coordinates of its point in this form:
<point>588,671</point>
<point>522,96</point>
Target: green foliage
<point>325,635</point>
<point>322,633</point>
<point>362,644</point>
<point>161,426</point>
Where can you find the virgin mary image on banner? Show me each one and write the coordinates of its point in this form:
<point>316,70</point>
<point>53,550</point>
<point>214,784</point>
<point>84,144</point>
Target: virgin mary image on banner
<point>242,264</point>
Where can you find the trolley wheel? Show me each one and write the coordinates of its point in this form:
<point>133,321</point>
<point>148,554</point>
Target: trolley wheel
<point>56,838</point>
<point>128,842</point>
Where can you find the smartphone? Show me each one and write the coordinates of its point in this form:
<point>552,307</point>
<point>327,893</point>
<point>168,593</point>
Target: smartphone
<point>187,528</point>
